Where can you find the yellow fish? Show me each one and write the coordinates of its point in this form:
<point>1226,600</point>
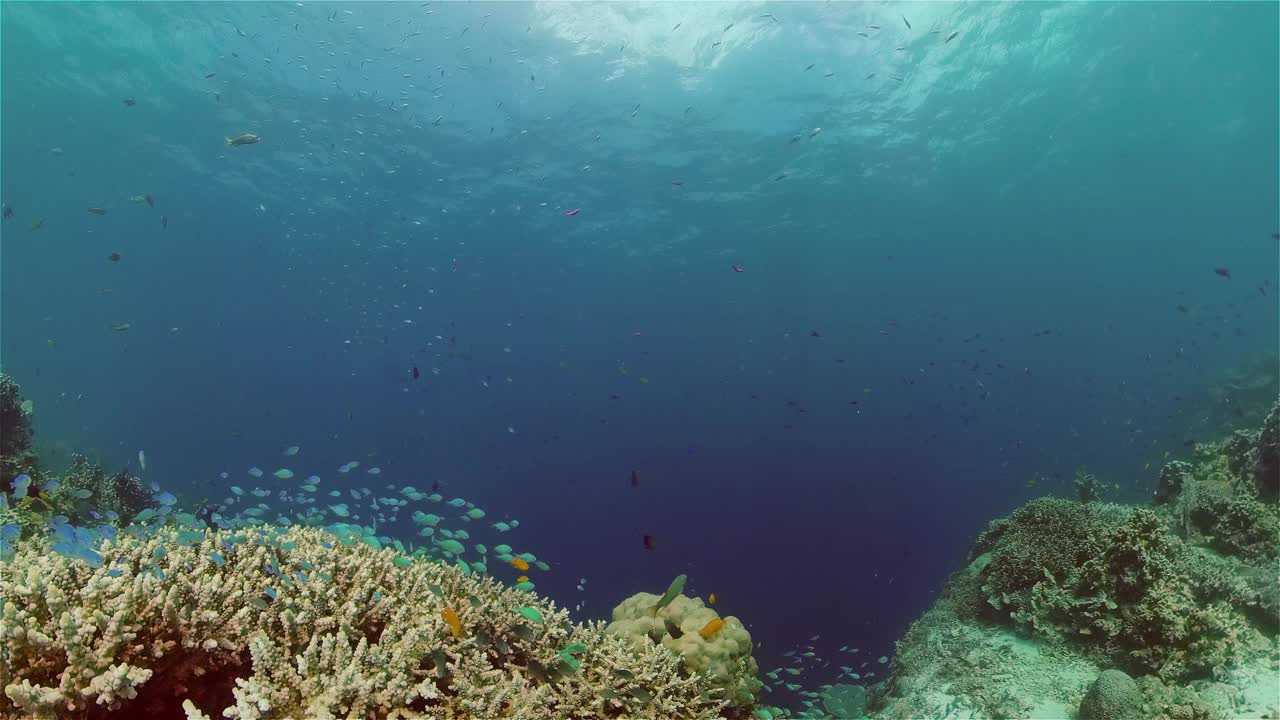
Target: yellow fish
<point>452,620</point>
<point>711,600</point>
<point>711,628</point>
<point>245,139</point>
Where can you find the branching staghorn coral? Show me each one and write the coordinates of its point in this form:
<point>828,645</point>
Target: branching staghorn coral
<point>273,623</point>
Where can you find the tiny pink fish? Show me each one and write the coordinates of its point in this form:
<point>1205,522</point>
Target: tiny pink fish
<point>573,212</point>
<point>738,268</point>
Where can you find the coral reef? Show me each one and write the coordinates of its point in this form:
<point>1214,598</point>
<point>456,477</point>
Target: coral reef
<point>16,455</point>
<point>1182,595</point>
<point>274,623</point>
<point>1267,468</point>
<point>717,648</point>
<point>86,484</point>
<point>85,495</point>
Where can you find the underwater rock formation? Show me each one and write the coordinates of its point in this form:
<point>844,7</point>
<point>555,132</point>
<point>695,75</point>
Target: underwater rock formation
<point>717,648</point>
<point>1182,595</point>
<point>277,623</point>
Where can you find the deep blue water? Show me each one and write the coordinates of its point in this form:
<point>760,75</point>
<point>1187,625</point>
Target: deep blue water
<point>991,237</point>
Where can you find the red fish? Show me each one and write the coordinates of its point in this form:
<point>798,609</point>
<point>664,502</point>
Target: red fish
<point>573,212</point>
<point>1223,272</point>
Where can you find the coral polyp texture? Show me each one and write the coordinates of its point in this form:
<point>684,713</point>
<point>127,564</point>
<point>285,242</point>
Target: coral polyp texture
<point>298,623</point>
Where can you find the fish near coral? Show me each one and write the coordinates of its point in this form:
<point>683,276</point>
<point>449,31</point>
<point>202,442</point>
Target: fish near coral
<point>709,630</point>
<point>520,564</point>
<point>452,620</point>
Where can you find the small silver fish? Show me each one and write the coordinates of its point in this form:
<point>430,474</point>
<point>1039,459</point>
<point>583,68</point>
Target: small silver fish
<point>142,459</point>
<point>951,37</point>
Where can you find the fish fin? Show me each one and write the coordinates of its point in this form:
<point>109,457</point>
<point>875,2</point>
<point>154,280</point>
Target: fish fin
<point>230,142</point>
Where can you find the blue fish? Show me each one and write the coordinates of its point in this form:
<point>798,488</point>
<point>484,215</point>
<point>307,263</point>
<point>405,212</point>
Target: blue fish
<point>20,485</point>
<point>217,559</point>
<point>91,557</point>
<point>165,498</point>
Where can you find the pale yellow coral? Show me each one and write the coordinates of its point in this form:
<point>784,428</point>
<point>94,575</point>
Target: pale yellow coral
<point>165,629</point>
<point>724,656</point>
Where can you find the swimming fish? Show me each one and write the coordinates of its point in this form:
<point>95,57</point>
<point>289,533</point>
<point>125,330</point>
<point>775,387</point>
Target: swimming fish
<point>520,564</point>
<point>676,587</point>
<point>714,626</point>
<point>245,139</point>
<point>142,459</point>
<point>573,212</point>
<point>951,37</point>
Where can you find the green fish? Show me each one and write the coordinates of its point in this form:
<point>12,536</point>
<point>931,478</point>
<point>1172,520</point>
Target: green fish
<point>677,587</point>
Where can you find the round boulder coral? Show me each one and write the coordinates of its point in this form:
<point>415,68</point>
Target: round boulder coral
<point>1112,696</point>
<point>714,647</point>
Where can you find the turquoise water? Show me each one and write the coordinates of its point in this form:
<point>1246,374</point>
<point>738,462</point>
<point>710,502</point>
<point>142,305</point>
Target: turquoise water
<point>968,267</point>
